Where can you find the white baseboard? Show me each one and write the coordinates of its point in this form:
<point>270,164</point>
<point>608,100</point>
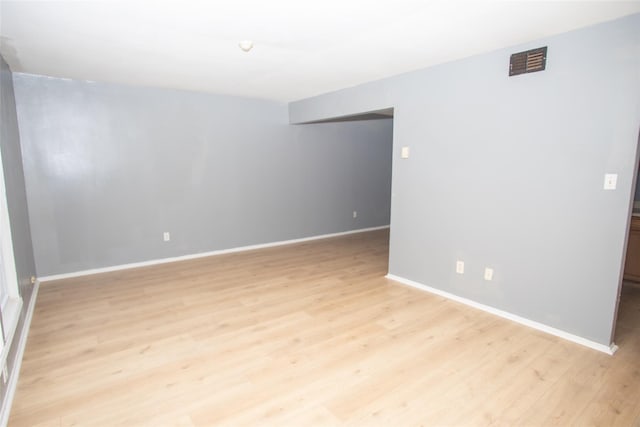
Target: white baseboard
<point>505,314</point>
<point>15,372</point>
<point>202,255</point>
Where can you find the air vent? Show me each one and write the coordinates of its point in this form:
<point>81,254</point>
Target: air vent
<point>529,61</point>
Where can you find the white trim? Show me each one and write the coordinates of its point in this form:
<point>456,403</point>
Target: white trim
<point>10,318</point>
<point>15,372</point>
<point>505,314</point>
<point>202,255</point>
<point>7,257</point>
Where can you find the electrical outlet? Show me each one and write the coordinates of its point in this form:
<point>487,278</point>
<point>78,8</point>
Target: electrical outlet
<point>488,274</point>
<point>404,152</point>
<point>460,267</point>
<point>33,280</point>
<point>355,214</point>
<point>166,236</point>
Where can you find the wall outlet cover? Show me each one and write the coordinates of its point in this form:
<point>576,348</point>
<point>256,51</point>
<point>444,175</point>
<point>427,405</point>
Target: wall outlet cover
<point>610,181</point>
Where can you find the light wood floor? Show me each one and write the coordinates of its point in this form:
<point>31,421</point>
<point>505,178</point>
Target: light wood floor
<point>304,335</point>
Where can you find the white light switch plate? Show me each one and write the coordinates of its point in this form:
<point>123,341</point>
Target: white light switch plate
<point>610,181</point>
<point>488,273</point>
<point>404,153</point>
<point>460,267</point>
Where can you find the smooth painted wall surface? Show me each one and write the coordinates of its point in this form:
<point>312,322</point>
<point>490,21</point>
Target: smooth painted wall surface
<point>109,168</point>
<point>17,204</point>
<point>507,172</point>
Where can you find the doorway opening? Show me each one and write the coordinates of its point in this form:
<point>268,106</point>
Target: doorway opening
<point>374,167</point>
<point>627,320</point>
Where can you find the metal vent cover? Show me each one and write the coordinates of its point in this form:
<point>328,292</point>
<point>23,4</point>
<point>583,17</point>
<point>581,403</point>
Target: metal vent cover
<point>528,61</point>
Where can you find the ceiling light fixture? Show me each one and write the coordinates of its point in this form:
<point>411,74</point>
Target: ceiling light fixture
<point>246,45</point>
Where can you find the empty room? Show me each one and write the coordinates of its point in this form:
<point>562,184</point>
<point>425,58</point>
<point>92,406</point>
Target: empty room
<point>363,213</point>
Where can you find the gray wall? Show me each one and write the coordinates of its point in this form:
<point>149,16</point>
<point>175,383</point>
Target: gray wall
<point>17,203</point>
<point>507,172</point>
<point>109,168</point>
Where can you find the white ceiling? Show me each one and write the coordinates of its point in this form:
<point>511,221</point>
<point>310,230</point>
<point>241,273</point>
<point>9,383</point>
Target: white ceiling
<point>302,48</point>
